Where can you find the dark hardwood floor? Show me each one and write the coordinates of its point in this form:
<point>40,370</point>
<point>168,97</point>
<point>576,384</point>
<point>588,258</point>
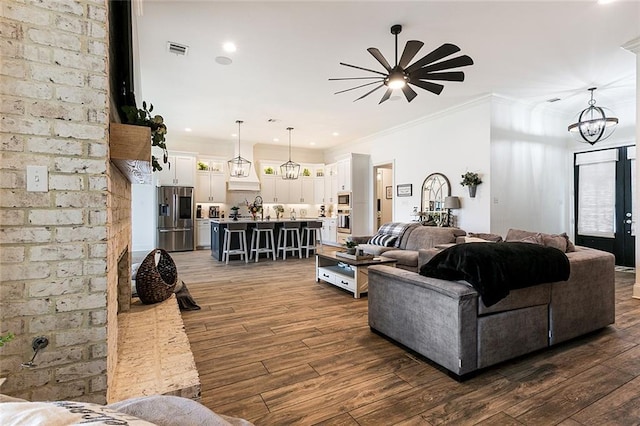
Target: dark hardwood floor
<point>275,347</point>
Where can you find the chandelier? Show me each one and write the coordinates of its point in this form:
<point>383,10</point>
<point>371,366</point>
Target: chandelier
<point>593,123</point>
<point>290,170</point>
<point>238,166</point>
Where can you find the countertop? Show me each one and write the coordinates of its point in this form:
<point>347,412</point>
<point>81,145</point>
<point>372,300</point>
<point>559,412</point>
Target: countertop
<point>249,220</point>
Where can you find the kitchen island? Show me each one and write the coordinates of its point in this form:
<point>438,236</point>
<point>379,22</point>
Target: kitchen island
<point>219,225</point>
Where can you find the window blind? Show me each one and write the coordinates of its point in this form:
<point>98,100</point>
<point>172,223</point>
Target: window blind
<point>597,193</point>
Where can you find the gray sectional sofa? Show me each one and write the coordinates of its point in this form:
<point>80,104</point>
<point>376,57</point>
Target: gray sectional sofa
<point>412,239</point>
<point>447,322</point>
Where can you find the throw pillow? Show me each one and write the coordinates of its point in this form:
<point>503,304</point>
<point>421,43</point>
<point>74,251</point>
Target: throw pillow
<point>491,237</point>
<point>559,241</point>
<point>476,240</point>
<point>532,239</point>
<point>383,240</point>
<point>63,413</point>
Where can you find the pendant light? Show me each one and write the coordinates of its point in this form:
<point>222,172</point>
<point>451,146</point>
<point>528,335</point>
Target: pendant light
<point>238,166</point>
<point>593,124</point>
<point>290,170</point>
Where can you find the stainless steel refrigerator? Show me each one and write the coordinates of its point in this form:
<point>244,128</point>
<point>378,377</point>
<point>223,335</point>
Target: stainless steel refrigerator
<point>175,218</point>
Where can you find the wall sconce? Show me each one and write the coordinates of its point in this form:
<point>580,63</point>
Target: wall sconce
<point>38,343</point>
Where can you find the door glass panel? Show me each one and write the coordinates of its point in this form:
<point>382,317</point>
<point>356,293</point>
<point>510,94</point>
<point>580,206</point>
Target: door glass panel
<point>597,199</point>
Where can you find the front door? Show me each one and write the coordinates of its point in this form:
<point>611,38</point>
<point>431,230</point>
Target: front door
<point>604,201</point>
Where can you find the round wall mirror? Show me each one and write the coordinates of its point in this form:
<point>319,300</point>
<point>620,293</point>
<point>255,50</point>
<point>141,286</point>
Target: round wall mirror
<point>435,189</point>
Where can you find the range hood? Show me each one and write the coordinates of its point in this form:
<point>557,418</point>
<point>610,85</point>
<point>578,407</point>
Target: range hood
<point>249,183</point>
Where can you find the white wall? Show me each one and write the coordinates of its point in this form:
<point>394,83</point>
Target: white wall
<point>529,168</point>
<point>450,143</point>
<point>143,217</point>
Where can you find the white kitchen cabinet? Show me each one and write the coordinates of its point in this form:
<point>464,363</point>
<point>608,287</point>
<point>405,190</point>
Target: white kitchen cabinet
<point>344,174</point>
<point>318,190</point>
<point>210,182</point>
<point>301,190</point>
<point>274,189</point>
<point>331,184</point>
<point>329,230</point>
<point>203,233</point>
<point>180,171</point>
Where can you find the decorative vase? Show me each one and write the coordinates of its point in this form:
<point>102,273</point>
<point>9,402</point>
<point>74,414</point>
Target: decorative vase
<point>472,191</point>
<point>351,250</point>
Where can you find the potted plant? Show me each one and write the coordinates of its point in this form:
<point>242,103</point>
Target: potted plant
<point>6,338</point>
<point>472,180</point>
<point>268,171</point>
<point>143,117</point>
<point>351,246</point>
<point>234,212</point>
<point>202,166</point>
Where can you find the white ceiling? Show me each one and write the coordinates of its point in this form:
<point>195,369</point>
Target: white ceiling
<point>287,51</point>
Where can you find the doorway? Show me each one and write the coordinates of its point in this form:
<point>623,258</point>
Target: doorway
<point>605,204</point>
<point>383,194</point>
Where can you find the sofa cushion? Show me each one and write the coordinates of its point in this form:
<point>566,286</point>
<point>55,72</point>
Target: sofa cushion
<point>404,257</point>
<point>424,237</point>
<point>375,250</point>
<point>559,241</point>
<point>385,240</point>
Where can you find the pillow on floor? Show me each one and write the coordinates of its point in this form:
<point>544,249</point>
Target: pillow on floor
<point>63,413</point>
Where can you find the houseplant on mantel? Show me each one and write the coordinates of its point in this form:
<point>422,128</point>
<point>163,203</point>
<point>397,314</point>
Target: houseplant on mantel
<point>472,180</point>
<point>143,117</point>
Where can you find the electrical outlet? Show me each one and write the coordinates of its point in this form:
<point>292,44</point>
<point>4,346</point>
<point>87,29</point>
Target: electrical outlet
<point>37,179</point>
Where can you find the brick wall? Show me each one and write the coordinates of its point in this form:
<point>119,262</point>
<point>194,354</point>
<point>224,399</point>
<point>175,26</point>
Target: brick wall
<point>55,246</point>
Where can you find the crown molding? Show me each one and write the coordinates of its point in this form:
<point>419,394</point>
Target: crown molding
<point>632,46</point>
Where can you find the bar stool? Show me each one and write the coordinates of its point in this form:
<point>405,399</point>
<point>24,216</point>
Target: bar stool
<point>312,235</point>
<point>292,228</point>
<point>241,230</point>
<point>265,228</point>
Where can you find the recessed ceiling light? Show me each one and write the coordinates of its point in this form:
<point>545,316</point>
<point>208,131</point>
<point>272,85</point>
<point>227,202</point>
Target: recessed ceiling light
<point>312,143</point>
<point>187,129</point>
<point>276,139</point>
<point>223,60</point>
<point>605,1</point>
<point>233,135</point>
<point>335,134</point>
<point>229,47</point>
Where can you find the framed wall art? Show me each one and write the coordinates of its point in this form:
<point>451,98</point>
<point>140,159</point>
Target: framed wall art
<point>405,190</point>
<point>389,192</point>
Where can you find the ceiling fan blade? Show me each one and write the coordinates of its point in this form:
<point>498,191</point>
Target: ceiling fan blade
<point>431,87</point>
<point>357,87</point>
<point>409,93</point>
<point>448,76</point>
<point>369,92</point>
<point>356,78</point>
<point>460,61</point>
<point>364,69</point>
<point>441,52</point>
<point>410,51</point>
<point>386,96</point>
<point>376,54</point>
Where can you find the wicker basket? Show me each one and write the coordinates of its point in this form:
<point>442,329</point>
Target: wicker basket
<point>155,283</point>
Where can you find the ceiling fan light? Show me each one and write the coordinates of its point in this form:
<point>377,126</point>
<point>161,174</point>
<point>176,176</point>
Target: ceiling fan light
<point>396,80</point>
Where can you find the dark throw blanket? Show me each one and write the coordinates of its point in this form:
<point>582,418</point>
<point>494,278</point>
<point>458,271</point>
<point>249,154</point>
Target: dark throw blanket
<point>495,268</point>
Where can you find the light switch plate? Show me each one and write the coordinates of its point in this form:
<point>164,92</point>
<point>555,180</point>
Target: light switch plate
<point>37,179</point>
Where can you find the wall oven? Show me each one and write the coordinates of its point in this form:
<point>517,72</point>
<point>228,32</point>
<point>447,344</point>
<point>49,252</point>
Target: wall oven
<point>344,199</point>
<point>344,213</point>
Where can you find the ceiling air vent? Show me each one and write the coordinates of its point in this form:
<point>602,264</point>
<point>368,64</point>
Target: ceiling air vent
<point>178,49</point>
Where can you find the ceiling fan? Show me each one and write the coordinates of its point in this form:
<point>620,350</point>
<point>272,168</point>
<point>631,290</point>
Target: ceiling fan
<point>421,73</point>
